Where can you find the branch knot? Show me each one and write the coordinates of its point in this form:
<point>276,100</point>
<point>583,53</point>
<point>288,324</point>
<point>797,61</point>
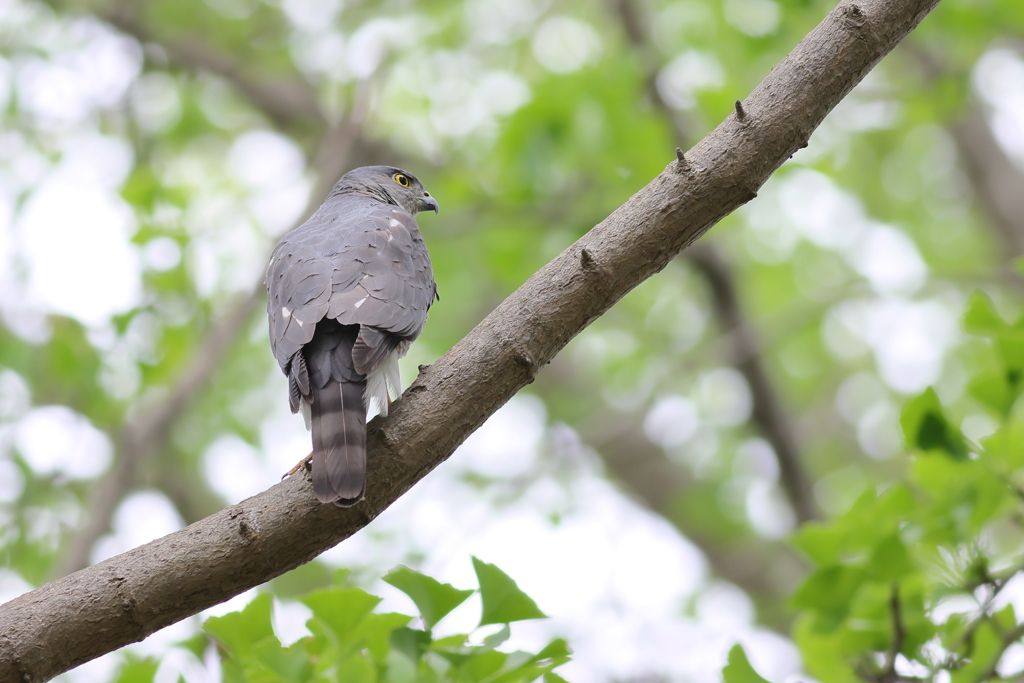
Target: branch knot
<point>853,15</point>
<point>587,259</point>
<point>682,163</point>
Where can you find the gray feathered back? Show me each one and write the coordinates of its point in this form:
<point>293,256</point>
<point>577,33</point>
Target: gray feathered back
<point>358,260</point>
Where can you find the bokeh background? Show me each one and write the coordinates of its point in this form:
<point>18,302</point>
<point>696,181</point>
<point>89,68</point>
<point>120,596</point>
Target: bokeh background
<point>642,489</point>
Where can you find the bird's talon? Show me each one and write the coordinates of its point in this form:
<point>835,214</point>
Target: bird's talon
<point>306,462</point>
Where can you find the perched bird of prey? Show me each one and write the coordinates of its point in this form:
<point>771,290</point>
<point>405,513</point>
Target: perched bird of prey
<point>347,293</point>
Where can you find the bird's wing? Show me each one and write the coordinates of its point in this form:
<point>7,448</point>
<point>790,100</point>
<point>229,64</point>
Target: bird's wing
<point>366,265</point>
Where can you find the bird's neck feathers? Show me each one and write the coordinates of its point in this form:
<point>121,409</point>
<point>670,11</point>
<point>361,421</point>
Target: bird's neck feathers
<point>376,193</point>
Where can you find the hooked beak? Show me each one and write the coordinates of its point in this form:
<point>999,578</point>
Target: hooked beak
<point>427,203</point>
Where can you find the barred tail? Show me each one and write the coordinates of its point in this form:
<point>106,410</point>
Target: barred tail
<point>339,442</point>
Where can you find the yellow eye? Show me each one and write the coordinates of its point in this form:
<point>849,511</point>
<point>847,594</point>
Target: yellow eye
<point>401,179</point>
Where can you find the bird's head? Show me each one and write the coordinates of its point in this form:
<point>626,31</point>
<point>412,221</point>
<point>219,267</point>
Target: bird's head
<point>389,184</point>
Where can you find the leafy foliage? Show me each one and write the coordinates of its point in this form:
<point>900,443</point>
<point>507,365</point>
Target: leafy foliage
<point>738,670</point>
<point>433,598</point>
<point>909,580</point>
<point>502,599</point>
<point>351,642</point>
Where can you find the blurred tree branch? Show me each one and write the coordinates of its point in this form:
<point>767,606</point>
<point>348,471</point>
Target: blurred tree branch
<point>636,32</point>
<point>995,179</point>
<point>768,413</point>
<point>148,432</point>
<point>285,101</point>
<point>126,598</point>
<point>767,571</point>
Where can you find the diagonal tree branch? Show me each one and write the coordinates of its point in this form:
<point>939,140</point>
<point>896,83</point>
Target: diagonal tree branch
<point>128,597</point>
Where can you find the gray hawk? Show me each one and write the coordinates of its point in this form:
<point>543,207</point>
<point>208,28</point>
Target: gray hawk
<point>347,292</point>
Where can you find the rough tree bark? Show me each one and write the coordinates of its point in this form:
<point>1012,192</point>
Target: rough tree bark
<point>124,599</point>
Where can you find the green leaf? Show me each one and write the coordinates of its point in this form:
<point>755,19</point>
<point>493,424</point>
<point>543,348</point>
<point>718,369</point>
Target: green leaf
<point>556,649</point>
<point>983,320</point>
<point>819,542</point>
<point>239,631</point>
<point>303,579</point>
<point>981,317</point>
<point>918,627</point>
<point>453,641</point>
<point>503,601</point>
<point>991,497</point>
<point>197,644</point>
<point>926,428</point>
<point>356,669</point>
<point>341,610</point>
<point>482,666</point>
<point>141,188</point>
<point>453,649</point>
<point>828,592</point>
<point>340,577</point>
<point>871,519</point>
<point>1006,618</point>
<point>1005,447</point>
<point>433,598</point>
<point>868,627</point>
<point>410,642</point>
<point>137,671</point>
<point>495,639</point>
<point>890,561</point>
<point>520,667</point>
<point>400,669</point>
<point>291,664</point>
<point>377,629</point>
<point>738,669</point>
<point>1010,347</point>
<point>822,653</point>
<point>985,650</point>
<point>936,433</point>
<point>997,390</point>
